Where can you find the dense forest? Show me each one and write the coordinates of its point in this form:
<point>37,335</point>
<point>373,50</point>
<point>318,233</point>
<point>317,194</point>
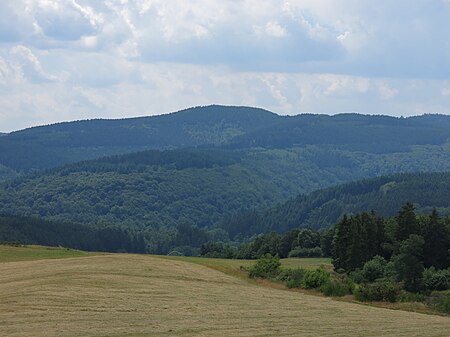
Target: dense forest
<point>234,127</point>
<point>58,144</point>
<point>184,235</point>
<point>222,174</point>
<point>323,208</point>
<point>49,233</point>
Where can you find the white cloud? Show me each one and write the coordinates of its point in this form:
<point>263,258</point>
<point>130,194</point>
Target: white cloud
<point>273,28</point>
<point>386,92</point>
<point>119,58</point>
<point>29,64</point>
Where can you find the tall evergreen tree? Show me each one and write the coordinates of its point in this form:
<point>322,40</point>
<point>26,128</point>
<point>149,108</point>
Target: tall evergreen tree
<point>409,262</point>
<point>437,242</point>
<point>341,242</point>
<point>406,223</point>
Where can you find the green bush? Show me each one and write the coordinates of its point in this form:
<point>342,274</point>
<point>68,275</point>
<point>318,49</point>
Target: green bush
<point>306,252</point>
<point>381,290</point>
<point>436,279</point>
<point>357,276</point>
<point>315,278</point>
<point>442,302</point>
<point>373,269</point>
<point>267,266</point>
<point>337,288</point>
<point>293,278</point>
<point>405,296</point>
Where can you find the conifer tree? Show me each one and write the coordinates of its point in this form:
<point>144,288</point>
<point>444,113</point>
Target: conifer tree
<point>437,242</point>
<point>406,223</point>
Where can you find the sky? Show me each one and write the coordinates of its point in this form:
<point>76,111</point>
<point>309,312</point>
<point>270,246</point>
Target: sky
<point>66,60</point>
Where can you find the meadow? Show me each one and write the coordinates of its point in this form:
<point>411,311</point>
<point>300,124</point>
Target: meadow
<point>140,295</point>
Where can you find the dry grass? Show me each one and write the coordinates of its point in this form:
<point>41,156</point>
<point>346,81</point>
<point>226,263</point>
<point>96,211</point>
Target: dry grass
<point>132,295</point>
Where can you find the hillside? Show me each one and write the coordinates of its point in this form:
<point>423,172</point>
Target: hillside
<point>58,144</point>
<point>320,209</point>
<point>181,197</point>
<point>150,296</point>
<point>353,132</point>
<point>234,127</point>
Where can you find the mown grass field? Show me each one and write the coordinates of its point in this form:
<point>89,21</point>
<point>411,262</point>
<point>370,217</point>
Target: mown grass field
<point>138,295</point>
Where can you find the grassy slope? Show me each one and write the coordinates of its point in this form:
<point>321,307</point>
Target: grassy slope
<point>132,295</point>
<point>9,253</point>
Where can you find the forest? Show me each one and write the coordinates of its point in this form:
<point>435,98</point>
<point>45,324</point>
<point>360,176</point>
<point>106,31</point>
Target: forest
<point>229,126</point>
<point>220,174</point>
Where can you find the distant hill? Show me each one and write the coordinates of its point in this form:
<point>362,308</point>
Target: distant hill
<point>322,208</point>
<point>354,132</point>
<point>233,127</point>
<point>53,145</point>
<point>199,166</point>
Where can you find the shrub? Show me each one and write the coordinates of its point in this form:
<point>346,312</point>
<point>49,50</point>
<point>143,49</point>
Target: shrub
<point>337,288</point>
<point>389,271</point>
<point>381,290</point>
<point>306,252</point>
<point>357,276</point>
<point>442,303</point>
<point>267,266</point>
<point>436,279</point>
<point>292,277</point>
<point>406,296</point>
<point>373,269</point>
<point>315,278</point>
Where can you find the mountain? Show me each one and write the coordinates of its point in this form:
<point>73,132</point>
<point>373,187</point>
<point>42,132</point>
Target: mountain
<point>323,208</point>
<point>207,164</point>
<point>232,127</point>
<point>54,145</point>
<point>355,132</point>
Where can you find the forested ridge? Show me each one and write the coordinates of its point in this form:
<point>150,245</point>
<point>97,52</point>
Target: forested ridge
<point>203,210</point>
<point>323,208</point>
<point>234,127</point>
<point>215,173</point>
<point>58,144</point>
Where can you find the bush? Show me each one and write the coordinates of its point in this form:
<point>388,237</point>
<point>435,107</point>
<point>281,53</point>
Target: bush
<point>373,269</point>
<point>436,279</point>
<point>381,290</point>
<point>337,288</point>
<point>357,276</point>
<point>267,266</point>
<point>406,296</point>
<point>306,252</point>
<point>442,302</point>
<point>315,278</point>
<point>294,277</point>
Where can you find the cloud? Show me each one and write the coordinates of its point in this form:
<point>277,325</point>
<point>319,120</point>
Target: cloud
<point>121,58</point>
<point>29,65</point>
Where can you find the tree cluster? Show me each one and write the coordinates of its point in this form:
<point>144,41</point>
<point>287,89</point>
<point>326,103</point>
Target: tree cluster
<point>410,249</point>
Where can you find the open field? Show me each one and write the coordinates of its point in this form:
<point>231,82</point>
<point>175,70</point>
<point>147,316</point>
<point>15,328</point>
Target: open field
<point>137,295</point>
<point>10,253</point>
